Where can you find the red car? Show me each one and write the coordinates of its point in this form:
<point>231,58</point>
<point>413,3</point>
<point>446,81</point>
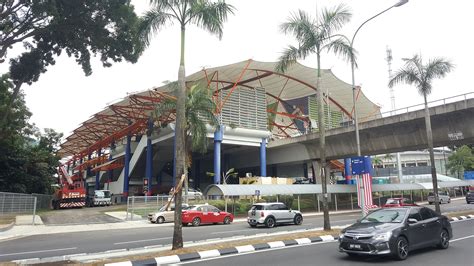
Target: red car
<point>205,214</point>
<point>398,202</point>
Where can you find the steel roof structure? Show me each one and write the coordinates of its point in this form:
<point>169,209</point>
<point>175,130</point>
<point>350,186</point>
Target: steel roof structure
<point>130,115</point>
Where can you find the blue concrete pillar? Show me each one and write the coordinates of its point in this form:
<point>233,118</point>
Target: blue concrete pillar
<point>97,174</point>
<point>197,171</point>
<point>347,170</point>
<point>263,157</point>
<point>149,157</point>
<point>218,136</point>
<point>305,170</point>
<point>88,171</point>
<point>110,173</point>
<point>127,166</point>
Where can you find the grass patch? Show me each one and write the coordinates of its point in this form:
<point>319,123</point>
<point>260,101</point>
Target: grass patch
<point>459,213</point>
<point>222,245</point>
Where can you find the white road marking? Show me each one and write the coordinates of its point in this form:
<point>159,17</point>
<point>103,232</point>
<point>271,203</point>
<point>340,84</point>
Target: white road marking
<point>462,238</point>
<point>37,251</point>
<point>144,240</point>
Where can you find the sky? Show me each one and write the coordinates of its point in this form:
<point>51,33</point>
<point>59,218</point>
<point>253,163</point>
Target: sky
<point>64,97</point>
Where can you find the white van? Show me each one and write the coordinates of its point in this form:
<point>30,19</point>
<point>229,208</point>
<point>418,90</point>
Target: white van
<point>100,198</point>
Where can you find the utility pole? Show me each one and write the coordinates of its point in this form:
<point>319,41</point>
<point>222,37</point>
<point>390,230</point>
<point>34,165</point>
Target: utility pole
<point>389,59</point>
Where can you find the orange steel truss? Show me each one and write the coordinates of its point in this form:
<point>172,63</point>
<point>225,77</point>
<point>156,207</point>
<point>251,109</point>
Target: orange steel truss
<point>130,116</point>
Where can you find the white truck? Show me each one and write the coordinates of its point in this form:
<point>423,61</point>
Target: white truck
<point>99,198</point>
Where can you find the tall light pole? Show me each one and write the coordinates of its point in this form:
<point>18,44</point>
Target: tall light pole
<point>356,122</point>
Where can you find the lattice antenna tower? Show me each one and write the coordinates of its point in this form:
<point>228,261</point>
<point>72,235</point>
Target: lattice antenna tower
<point>389,59</point>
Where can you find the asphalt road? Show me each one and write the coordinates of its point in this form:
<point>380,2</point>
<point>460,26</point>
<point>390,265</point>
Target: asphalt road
<point>460,252</point>
<point>43,246</point>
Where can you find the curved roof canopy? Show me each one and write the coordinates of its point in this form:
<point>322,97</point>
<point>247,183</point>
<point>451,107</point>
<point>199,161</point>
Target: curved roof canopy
<point>268,190</point>
<point>130,115</point>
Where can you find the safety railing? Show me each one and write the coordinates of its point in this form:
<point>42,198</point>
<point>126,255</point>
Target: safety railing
<point>13,204</point>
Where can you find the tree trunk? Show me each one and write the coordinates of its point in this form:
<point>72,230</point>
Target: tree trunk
<point>322,148</point>
<point>180,146</point>
<point>429,136</point>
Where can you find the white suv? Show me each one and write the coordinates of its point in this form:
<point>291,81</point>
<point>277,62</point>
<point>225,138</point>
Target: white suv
<point>443,197</point>
<point>271,214</point>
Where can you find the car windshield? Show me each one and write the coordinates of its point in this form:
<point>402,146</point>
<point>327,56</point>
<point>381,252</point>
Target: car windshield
<point>385,216</point>
<point>257,208</point>
<point>392,201</point>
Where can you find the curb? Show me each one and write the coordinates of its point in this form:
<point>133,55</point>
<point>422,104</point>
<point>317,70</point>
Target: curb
<point>226,251</point>
<point>7,227</point>
<point>467,217</point>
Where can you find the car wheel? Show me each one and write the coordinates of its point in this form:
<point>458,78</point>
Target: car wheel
<point>401,251</point>
<point>227,220</point>
<point>196,221</point>
<point>160,220</point>
<point>298,219</point>
<point>431,203</point>
<point>443,240</point>
<point>449,201</point>
<point>270,222</point>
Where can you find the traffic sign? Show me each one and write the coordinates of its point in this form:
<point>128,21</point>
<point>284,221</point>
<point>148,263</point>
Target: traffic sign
<point>358,165</point>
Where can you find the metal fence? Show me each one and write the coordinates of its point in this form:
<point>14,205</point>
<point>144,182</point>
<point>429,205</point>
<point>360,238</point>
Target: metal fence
<point>138,207</point>
<point>12,204</point>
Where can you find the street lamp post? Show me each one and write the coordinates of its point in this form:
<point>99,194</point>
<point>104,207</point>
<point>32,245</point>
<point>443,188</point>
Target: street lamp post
<point>356,122</point>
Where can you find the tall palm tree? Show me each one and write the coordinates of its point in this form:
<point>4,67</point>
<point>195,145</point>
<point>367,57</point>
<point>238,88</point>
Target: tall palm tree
<point>421,76</point>
<point>199,111</point>
<point>316,36</point>
<point>207,15</point>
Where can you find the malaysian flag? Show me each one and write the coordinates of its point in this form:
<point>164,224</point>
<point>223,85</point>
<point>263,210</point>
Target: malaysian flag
<point>367,186</point>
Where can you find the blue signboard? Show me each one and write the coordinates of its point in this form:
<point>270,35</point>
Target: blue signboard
<point>468,174</point>
<point>358,165</point>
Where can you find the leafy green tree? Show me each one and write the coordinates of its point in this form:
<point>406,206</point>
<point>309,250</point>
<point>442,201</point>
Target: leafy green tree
<point>316,36</point>
<point>207,15</point>
<point>27,156</point>
<point>461,160</point>
<point>82,29</point>
<point>421,76</point>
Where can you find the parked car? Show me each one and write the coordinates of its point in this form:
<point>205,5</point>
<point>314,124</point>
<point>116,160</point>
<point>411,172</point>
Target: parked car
<point>205,214</point>
<point>193,193</point>
<point>398,202</point>
<point>470,197</point>
<point>271,214</point>
<point>396,231</point>
<point>164,215</point>
<point>443,197</point>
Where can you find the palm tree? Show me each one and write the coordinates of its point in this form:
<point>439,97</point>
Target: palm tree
<point>207,15</point>
<point>415,73</point>
<point>376,161</point>
<point>315,36</point>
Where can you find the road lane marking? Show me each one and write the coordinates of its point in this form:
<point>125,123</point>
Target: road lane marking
<point>144,240</point>
<point>37,251</point>
<point>462,238</point>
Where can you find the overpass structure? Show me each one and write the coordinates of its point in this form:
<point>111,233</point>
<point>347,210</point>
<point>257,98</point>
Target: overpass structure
<point>452,124</point>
